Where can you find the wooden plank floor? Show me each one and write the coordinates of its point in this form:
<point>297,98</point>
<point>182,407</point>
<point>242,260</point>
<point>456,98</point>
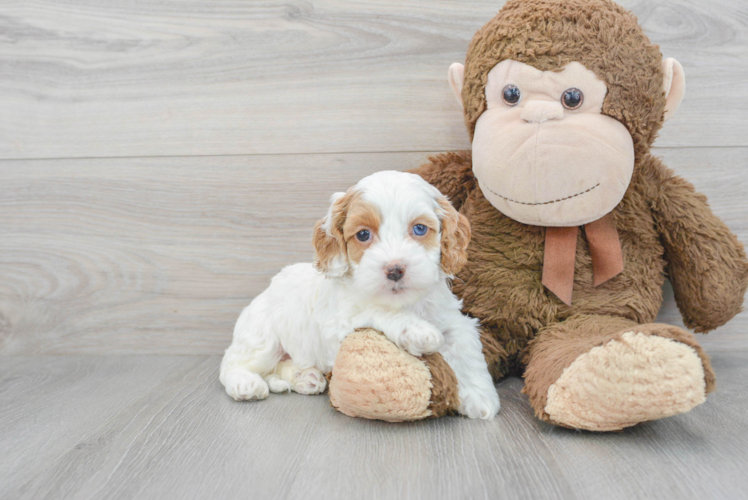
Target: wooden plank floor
<point>162,427</point>
<point>160,161</point>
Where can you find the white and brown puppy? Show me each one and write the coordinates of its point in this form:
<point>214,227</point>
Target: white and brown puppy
<point>384,254</point>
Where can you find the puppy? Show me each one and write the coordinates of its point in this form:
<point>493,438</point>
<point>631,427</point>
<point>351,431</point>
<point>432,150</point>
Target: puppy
<point>384,254</point>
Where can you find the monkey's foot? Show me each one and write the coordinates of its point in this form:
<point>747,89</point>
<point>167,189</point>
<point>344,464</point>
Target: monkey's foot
<point>373,378</point>
<point>642,374</point>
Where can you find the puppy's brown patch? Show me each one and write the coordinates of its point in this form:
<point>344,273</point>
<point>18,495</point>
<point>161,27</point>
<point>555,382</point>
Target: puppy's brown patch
<point>430,240</point>
<point>361,215</point>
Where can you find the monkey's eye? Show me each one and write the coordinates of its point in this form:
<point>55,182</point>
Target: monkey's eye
<point>511,95</point>
<point>572,98</point>
<point>420,229</point>
<point>363,235</point>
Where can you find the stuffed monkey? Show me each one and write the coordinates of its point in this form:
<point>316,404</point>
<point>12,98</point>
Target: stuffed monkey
<point>575,227</point>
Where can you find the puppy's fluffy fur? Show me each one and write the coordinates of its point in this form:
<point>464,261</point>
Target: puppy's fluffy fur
<point>384,254</point>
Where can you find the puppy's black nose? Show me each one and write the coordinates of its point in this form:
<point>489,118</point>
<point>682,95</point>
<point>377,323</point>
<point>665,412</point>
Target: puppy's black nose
<point>394,272</point>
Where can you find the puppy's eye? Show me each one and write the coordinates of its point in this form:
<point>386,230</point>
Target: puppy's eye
<point>363,235</point>
<point>511,95</point>
<point>572,98</point>
<point>420,229</point>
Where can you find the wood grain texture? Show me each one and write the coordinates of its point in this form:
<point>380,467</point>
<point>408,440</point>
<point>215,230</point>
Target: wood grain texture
<point>161,427</point>
<point>116,257</point>
<point>175,246</point>
<point>103,79</point>
<point>159,255</point>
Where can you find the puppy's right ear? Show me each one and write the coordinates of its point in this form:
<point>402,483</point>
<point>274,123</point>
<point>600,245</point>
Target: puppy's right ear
<point>455,237</point>
<point>331,255</point>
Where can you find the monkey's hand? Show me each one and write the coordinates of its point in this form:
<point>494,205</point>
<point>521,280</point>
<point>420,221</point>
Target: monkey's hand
<point>451,173</point>
<point>706,263</point>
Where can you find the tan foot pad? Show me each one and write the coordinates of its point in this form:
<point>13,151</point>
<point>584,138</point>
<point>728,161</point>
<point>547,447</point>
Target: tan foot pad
<point>627,381</point>
<point>373,378</point>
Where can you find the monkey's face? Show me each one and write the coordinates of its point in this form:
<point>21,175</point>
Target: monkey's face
<point>543,152</point>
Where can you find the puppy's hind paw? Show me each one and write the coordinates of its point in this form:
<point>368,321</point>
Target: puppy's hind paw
<point>277,385</point>
<point>310,381</point>
<point>421,337</point>
<point>484,405</point>
<point>243,385</point>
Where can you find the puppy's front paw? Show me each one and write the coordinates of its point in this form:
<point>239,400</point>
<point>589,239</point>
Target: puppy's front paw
<point>479,404</point>
<point>243,385</point>
<point>421,337</point>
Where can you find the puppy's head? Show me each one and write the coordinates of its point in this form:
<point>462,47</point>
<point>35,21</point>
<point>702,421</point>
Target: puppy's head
<point>394,235</point>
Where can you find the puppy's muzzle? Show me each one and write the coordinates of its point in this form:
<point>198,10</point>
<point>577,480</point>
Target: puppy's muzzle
<point>394,271</point>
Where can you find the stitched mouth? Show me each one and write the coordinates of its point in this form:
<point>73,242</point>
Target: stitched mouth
<point>544,202</point>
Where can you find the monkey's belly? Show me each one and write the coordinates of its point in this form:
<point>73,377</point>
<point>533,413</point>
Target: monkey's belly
<point>501,285</point>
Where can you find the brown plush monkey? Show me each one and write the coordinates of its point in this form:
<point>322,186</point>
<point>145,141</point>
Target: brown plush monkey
<point>575,227</point>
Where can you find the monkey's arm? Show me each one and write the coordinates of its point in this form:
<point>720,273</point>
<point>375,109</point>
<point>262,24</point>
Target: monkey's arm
<point>451,173</point>
<point>706,263</point>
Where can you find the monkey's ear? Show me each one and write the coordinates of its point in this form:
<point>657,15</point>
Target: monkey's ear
<point>456,77</point>
<point>674,84</point>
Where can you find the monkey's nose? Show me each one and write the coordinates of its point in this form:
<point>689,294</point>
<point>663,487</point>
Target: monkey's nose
<point>394,272</point>
<point>538,111</point>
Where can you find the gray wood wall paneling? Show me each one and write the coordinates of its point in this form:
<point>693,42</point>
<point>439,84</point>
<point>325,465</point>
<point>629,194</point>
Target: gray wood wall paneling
<point>159,255</point>
<point>102,79</point>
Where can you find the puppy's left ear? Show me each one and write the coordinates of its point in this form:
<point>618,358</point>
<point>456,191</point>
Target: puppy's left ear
<point>455,238</point>
<point>331,254</point>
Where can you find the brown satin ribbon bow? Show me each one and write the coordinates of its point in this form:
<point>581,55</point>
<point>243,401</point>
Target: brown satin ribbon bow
<point>560,255</point>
